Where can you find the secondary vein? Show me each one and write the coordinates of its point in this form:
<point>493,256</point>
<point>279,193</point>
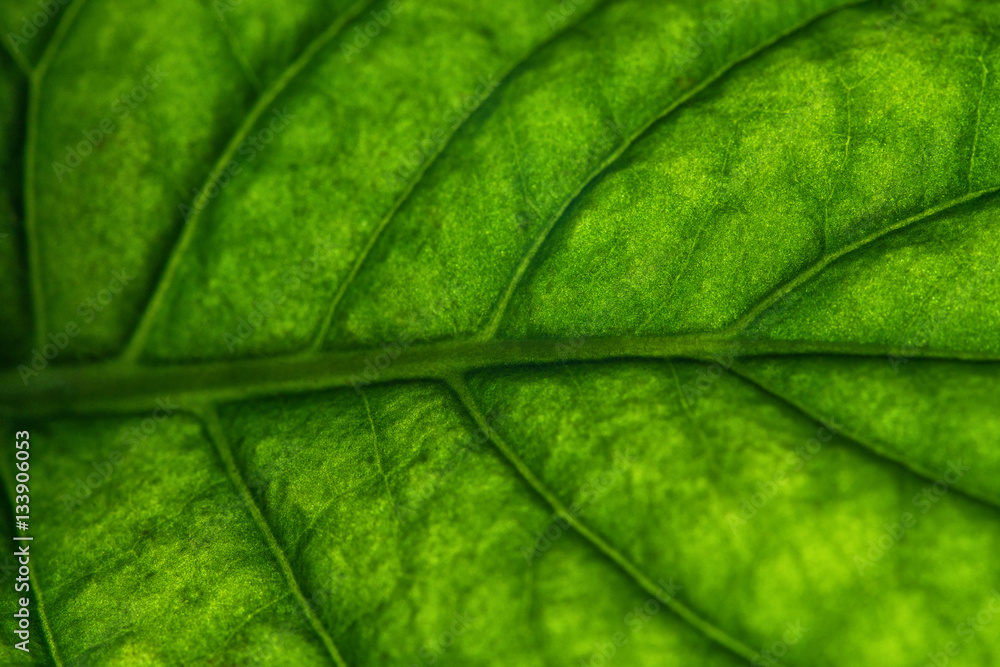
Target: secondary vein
<point>18,58</point>
<point>33,241</point>
<point>141,334</point>
<point>857,439</point>
<point>7,473</point>
<point>216,433</point>
<point>500,308</point>
<point>416,179</point>
<point>817,267</point>
<point>714,633</point>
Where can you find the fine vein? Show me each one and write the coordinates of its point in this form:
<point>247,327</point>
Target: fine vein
<point>7,473</point>
<point>378,457</point>
<point>50,639</point>
<point>236,52</point>
<point>18,58</point>
<point>979,116</point>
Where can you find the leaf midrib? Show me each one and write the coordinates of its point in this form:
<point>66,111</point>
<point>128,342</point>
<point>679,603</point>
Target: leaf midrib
<point>455,381</point>
<point>116,387</point>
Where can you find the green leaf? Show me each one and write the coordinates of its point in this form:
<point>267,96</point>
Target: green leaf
<point>579,333</point>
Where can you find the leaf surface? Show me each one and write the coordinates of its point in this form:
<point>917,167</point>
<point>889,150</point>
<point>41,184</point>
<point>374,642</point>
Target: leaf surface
<point>506,333</point>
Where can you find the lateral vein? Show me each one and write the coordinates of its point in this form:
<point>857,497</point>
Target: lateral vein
<point>817,267</point>
<point>500,308</point>
<point>216,433</point>
<point>36,588</point>
<point>857,439</point>
<point>18,58</point>
<point>416,179</point>
<point>687,614</point>
<point>137,343</point>
<point>32,239</point>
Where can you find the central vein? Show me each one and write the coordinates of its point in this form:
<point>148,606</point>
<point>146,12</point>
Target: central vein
<point>125,387</point>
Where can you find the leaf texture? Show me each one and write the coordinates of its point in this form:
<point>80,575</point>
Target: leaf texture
<point>648,333</point>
